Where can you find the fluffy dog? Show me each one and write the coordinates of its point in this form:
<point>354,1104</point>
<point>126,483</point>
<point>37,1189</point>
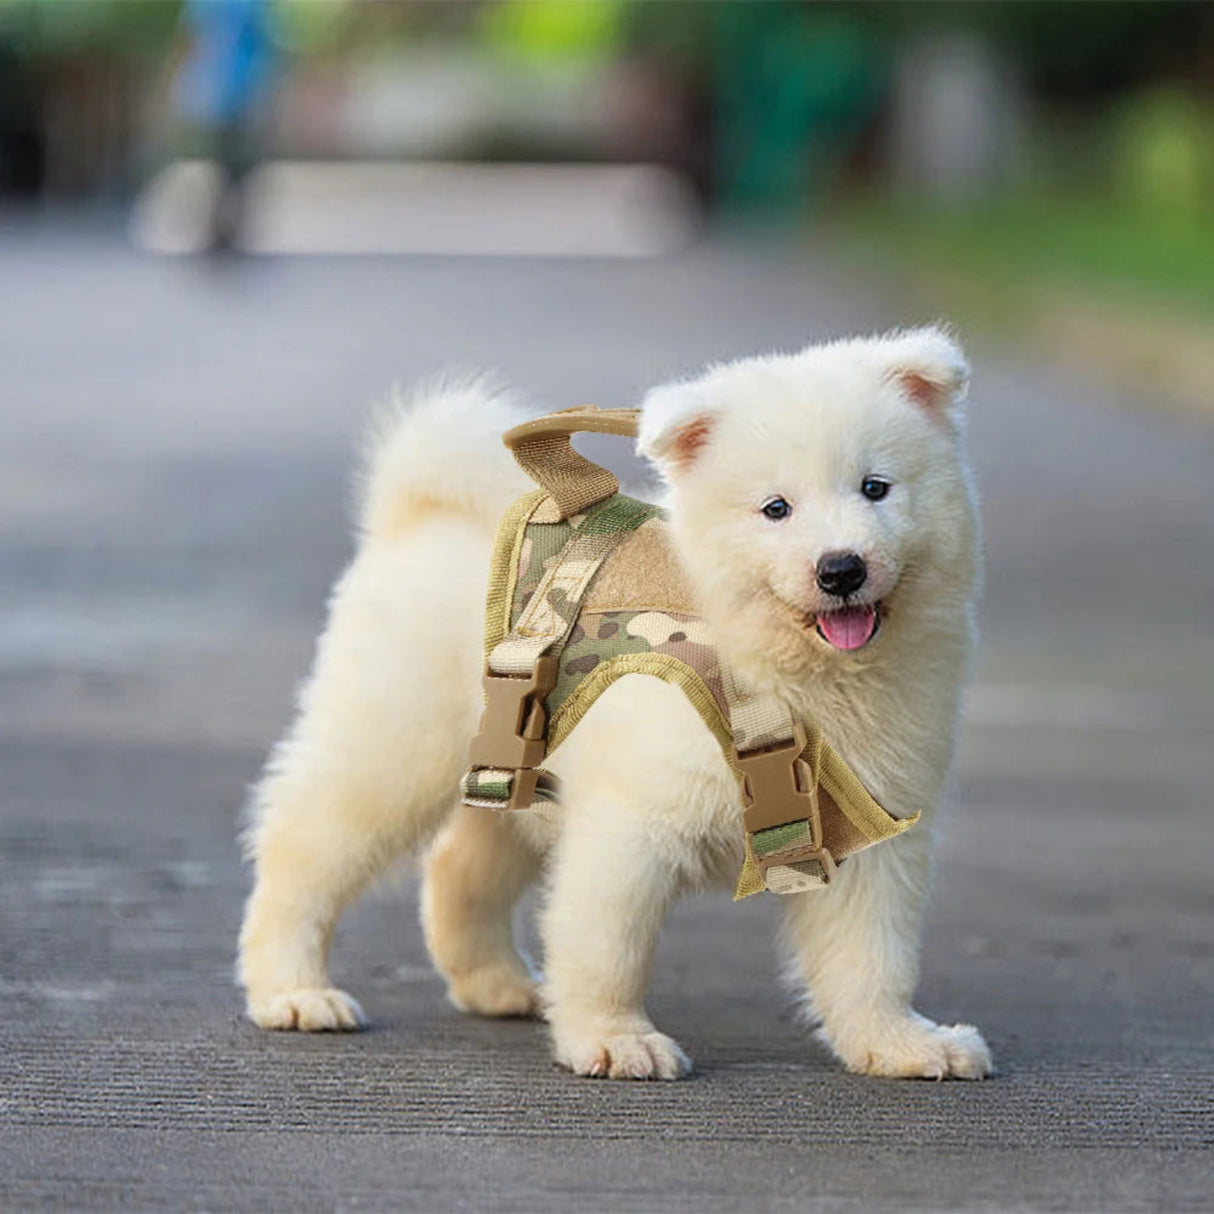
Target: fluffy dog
<point>822,508</point>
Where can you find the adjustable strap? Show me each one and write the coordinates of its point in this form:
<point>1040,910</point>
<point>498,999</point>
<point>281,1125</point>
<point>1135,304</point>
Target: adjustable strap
<point>779,762</point>
<point>543,449</point>
<point>523,667</point>
<point>508,788</point>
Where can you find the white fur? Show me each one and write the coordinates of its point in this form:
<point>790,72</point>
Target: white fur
<point>650,809</point>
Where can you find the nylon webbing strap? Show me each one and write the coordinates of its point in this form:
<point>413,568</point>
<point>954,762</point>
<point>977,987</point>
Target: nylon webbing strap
<point>780,762</point>
<point>522,667</point>
<point>542,447</point>
<point>551,612</point>
<point>496,787</point>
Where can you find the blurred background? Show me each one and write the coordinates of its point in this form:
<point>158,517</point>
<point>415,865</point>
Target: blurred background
<point>1048,166</point>
<point>228,226</point>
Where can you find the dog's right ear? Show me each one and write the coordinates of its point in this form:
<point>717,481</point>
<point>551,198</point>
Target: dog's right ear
<point>676,423</point>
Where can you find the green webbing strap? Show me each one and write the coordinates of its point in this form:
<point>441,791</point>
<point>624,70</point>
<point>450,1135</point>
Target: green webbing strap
<point>492,787</point>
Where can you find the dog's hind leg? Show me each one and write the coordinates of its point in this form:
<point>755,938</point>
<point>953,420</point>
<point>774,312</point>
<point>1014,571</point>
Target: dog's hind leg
<point>370,769</point>
<point>856,946</point>
<point>476,872</point>
<point>320,842</point>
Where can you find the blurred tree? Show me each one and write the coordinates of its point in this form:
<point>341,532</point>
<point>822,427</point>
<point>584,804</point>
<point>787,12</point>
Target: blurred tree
<point>1071,50</point>
<point>794,87</point>
<point>73,77</point>
<point>304,27</point>
<point>22,148</point>
<point>540,30</point>
<point>1165,152</point>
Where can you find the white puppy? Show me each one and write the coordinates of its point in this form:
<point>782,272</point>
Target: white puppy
<point>790,478</point>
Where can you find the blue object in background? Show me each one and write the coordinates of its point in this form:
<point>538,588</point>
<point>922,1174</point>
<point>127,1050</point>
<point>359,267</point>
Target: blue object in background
<point>229,63</point>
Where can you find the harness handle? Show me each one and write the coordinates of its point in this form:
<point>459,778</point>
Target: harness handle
<point>543,449</point>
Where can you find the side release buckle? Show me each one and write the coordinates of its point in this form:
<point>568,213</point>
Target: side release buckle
<point>778,788</point>
<point>514,724</point>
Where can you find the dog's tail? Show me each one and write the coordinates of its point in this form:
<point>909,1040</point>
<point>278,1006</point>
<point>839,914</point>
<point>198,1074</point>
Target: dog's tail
<point>440,450</point>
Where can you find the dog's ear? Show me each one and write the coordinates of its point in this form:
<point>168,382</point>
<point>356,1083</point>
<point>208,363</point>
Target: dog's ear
<point>676,424</point>
<point>929,369</point>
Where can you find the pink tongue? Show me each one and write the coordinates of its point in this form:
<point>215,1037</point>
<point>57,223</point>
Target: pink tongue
<point>848,628</point>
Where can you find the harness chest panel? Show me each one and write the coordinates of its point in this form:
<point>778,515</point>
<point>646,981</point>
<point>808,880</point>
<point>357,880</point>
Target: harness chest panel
<point>620,615</point>
<point>584,592</point>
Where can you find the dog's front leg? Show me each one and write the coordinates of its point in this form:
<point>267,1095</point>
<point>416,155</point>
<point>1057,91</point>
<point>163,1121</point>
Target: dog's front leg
<point>856,947</point>
<point>612,882</point>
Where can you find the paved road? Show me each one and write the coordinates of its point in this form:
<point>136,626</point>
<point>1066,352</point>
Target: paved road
<point>174,450</point>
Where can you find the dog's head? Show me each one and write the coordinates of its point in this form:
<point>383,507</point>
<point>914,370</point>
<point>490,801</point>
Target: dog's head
<point>824,491</point>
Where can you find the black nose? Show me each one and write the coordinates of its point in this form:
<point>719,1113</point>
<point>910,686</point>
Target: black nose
<point>841,573</point>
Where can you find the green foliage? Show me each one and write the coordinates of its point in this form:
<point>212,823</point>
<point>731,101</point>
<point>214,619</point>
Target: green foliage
<point>304,27</point>
<point>134,28</point>
<point>1065,49</point>
<point>1164,152</point>
<point>541,31</point>
<point>1104,245</point>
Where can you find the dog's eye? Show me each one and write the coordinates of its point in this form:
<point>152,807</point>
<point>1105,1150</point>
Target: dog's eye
<point>776,508</point>
<point>874,488</point>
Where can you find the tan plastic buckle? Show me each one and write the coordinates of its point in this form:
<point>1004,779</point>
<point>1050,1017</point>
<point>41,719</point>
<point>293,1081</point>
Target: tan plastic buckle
<point>522,788</point>
<point>774,784</point>
<point>778,788</point>
<point>514,724</point>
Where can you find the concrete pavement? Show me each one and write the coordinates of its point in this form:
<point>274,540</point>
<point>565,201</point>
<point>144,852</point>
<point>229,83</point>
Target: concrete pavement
<point>175,444</point>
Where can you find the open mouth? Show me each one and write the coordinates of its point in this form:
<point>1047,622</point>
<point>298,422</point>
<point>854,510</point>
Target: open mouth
<point>849,627</point>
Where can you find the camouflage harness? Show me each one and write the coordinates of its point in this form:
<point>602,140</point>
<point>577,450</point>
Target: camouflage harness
<point>584,588</point>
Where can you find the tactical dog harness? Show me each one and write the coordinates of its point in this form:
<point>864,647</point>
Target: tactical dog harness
<point>584,588</point>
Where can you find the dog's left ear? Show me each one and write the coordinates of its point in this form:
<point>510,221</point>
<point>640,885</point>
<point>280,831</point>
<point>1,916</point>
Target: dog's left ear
<point>929,368</point>
<point>676,424</point>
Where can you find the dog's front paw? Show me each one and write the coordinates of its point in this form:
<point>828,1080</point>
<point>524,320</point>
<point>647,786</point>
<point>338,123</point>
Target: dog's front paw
<point>917,1048</point>
<point>637,1054</point>
<point>308,1009</point>
<point>498,990</point>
